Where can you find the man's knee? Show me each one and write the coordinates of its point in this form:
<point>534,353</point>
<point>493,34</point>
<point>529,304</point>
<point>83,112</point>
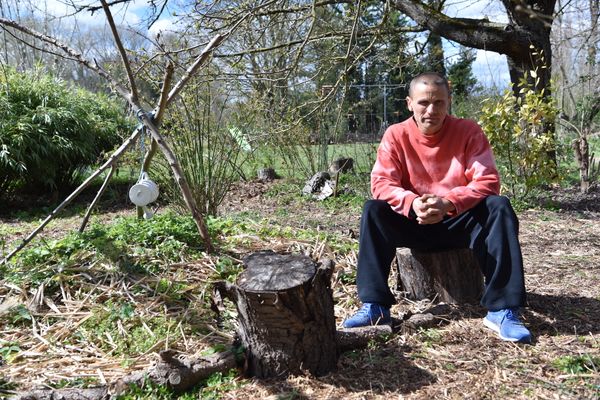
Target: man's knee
<point>500,207</point>
<point>498,203</point>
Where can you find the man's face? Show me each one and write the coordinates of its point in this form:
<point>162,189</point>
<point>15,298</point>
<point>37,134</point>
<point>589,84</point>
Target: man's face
<point>429,104</point>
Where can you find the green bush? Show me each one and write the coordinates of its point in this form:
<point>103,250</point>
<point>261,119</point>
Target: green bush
<point>50,131</point>
<point>520,130</point>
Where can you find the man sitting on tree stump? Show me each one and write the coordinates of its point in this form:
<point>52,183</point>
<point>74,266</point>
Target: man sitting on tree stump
<point>435,187</point>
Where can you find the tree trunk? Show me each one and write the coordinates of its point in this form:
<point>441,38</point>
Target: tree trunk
<point>285,314</point>
<point>451,276</point>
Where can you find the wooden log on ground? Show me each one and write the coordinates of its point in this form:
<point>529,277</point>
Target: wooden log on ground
<point>174,370</point>
<point>358,338</point>
<point>179,372</point>
<point>450,276</point>
<point>285,314</point>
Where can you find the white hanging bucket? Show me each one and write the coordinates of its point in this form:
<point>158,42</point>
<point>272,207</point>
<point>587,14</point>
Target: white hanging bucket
<point>144,192</point>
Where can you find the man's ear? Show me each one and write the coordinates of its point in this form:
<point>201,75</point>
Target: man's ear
<point>409,103</point>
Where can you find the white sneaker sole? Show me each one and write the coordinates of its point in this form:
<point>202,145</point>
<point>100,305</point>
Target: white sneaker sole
<point>496,328</point>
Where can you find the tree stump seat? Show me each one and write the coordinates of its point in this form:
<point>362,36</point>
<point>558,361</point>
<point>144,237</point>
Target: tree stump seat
<point>449,276</point>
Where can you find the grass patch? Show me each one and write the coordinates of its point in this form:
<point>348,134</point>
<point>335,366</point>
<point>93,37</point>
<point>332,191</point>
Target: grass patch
<point>82,383</point>
<point>362,153</point>
<point>8,350</point>
<point>214,387</point>
<point>579,364</point>
<point>129,244</point>
<point>430,336</point>
<point>119,328</point>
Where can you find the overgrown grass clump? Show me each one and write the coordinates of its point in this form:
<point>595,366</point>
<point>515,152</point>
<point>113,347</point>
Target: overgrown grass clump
<point>213,387</point>
<point>128,245</point>
<point>116,328</point>
<point>578,364</point>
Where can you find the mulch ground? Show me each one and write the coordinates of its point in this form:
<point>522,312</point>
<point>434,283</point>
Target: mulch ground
<point>459,359</point>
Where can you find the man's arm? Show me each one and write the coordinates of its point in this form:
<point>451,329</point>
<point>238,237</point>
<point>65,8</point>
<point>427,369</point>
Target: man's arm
<point>480,172</point>
<point>386,177</point>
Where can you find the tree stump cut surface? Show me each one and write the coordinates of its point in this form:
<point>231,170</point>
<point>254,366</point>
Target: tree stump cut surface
<point>285,315</point>
<point>450,276</point>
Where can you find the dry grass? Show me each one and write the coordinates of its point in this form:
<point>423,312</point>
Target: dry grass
<point>459,359</point>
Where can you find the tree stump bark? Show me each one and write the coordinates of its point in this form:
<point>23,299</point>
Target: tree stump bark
<point>285,314</point>
<point>450,276</point>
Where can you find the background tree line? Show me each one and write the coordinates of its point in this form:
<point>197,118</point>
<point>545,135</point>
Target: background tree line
<point>312,73</point>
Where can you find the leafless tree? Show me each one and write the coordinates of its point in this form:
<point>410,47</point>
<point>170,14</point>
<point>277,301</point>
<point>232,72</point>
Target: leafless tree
<point>576,38</point>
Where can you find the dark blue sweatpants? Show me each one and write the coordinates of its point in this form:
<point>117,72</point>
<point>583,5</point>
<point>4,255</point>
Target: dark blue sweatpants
<point>490,229</point>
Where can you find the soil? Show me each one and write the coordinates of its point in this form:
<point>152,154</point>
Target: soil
<point>459,358</point>
<point>462,359</point>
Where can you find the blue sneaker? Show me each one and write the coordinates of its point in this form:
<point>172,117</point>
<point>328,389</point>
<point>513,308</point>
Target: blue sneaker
<point>506,323</point>
<point>369,314</point>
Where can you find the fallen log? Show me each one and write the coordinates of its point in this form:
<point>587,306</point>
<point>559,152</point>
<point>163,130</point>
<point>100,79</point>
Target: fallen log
<point>178,372</point>
<point>174,370</point>
<point>359,338</point>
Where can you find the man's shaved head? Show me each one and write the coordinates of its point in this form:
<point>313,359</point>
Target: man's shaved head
<point>429,78</point>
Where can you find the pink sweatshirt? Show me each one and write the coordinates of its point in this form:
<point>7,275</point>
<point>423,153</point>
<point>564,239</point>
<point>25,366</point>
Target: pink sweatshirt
<point>456,163</point>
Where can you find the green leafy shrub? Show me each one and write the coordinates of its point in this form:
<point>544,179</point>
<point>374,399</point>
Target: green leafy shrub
<point>50,131</point>
<point>520,130</point>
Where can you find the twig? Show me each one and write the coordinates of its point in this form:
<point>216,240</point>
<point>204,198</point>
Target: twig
<point>216,41</point>
<point>158,116</point>
<point>86,217</point>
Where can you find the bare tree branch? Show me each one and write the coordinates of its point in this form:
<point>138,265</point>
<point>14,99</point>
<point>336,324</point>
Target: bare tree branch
<point>119,44</point>
<point>159,113</point>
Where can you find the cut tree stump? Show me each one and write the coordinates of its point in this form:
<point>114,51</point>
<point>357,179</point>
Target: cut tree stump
<point>266,174</point>
<point>450,276</point>
<point>286,320</point>
<point>341,165</point>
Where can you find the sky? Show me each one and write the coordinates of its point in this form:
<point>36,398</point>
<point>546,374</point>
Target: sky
<point>490,68</point>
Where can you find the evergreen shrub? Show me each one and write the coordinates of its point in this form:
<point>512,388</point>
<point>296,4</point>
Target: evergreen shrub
<point>50,131</point>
